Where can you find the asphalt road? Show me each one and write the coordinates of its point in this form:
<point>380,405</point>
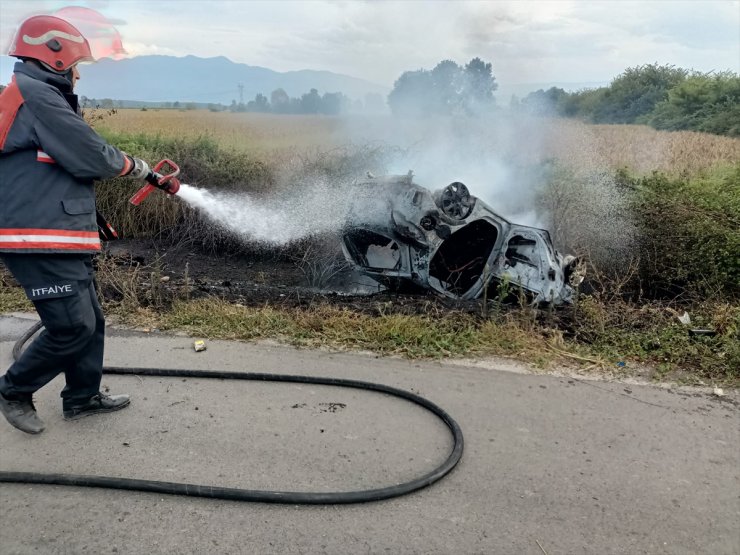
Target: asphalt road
<point>552,465</point>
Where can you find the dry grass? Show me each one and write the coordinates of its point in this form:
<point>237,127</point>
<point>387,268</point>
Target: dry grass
<point>261,132</point>
<point>411,336</point>
<point>605,334</point>
<point>638,148</point>
<point>12,297</point>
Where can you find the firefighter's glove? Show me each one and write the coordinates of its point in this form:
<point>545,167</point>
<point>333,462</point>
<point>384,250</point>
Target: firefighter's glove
<point>139,168</point>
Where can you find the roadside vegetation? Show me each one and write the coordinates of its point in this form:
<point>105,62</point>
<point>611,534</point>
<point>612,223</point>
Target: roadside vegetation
<point>683,255</point>
<point>662,96</point>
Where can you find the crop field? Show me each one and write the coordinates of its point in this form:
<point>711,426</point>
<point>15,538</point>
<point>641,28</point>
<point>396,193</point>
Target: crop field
<point>261,132</point>
<point>525,140</point>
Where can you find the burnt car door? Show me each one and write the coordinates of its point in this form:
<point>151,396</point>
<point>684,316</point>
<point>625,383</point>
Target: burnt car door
<point>527,259</point>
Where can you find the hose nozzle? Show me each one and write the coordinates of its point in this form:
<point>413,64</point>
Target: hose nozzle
<point>167,182</point>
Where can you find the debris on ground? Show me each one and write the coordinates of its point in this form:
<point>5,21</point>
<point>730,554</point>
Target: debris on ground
<point>199,346</point>
<point>702,331</point>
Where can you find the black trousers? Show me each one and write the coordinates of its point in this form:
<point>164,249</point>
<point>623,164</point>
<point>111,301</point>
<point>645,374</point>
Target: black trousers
<point>62,288</point>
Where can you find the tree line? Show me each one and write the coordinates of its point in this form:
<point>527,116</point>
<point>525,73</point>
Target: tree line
<point>662,96</point>
<point>312,102</point>
<point>279,103</point>
<point>448,89</point>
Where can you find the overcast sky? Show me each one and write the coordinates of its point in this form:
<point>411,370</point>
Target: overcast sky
<point>526,41</point>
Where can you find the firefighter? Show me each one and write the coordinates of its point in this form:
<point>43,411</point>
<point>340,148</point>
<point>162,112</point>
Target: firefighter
<point>49,158</point>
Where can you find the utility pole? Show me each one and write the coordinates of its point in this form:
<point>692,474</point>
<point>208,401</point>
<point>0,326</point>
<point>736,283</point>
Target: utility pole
<point>241,93</point>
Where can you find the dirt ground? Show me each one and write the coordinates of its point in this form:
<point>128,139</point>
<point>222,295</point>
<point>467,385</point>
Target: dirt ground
<point>271,277</point>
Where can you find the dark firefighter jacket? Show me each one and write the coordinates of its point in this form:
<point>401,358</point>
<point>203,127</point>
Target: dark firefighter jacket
<point>49,158</point>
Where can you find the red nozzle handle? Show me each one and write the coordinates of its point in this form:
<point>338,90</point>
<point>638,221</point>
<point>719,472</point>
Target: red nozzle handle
<point>155,180</point>
<point>141,194</point>
<point>174,168</point>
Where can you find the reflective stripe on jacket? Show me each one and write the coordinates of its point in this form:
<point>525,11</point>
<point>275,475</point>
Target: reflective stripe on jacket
<point>49,159</point>
<point>58,239</point>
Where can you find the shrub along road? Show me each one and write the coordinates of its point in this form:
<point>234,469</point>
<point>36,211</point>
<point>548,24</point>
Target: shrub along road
<point>551,464</point>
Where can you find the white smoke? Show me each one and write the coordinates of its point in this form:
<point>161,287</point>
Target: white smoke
<point>504,158</point>
<point>492,156</point>
<point>511,161</point>
<point>277,220</point>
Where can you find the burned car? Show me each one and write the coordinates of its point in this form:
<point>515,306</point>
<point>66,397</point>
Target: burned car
<point>400,234</point>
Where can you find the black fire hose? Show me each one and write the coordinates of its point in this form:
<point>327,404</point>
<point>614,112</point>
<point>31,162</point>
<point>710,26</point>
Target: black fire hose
<point>234,494</point>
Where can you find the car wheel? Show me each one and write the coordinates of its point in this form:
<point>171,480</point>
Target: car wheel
<point>455,201</point>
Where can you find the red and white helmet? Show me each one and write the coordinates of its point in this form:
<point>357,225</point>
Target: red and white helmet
<point>51,40</point>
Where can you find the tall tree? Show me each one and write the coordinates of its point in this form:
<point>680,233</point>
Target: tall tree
<point>412,94</point>
<point>545,103</point>
<point>311,102</point>
<point>446,89</point>
<point>280,101</point>
<point>333,104</point>
<point>479,85</point>
<point>259,104</point>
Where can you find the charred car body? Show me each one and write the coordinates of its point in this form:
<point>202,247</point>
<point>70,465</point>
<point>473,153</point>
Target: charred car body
<point>401,234</point>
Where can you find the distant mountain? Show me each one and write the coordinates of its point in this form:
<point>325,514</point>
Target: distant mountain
<point>216,80</point>
<point>202,80</point>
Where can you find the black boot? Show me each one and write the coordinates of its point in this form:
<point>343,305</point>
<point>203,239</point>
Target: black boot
<point>21,413</point>
<point>97,404</point>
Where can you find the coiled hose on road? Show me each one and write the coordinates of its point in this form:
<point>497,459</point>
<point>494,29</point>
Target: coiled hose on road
<point>234,494</point>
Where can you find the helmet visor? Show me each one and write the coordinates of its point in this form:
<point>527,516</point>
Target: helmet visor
<point>101,35</point>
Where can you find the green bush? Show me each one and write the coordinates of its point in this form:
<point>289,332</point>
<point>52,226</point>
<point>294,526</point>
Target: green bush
<point>689,240</point>
<point>709,103</point>
<point>664,97</point>
<point>636,91</point>
<point>651,237</point>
